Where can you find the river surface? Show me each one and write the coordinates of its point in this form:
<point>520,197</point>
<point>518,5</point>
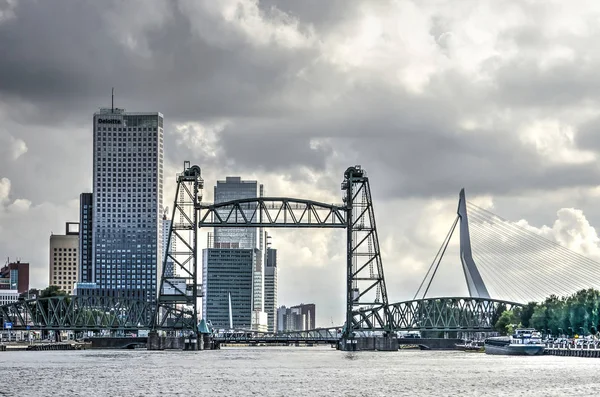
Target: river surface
<point>292,371</point>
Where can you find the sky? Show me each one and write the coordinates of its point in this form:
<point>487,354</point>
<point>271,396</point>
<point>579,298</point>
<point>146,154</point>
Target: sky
<point>500,98</point>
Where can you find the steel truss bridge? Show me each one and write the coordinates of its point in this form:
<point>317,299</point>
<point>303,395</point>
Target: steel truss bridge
<point>74,313</point>
<point>367,305</point>
<point>81,313</point>
<point>319,335</point>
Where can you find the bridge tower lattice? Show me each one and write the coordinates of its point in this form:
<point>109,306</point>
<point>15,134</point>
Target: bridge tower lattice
<point>366,287</point>
<point>177,303</point>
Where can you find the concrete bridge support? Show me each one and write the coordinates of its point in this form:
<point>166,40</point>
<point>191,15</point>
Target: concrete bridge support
<point>389,343</point>
<point>158,342</point>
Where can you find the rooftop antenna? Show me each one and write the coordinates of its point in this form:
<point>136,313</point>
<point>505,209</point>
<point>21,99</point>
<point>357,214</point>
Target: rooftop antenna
<point>112,104</point>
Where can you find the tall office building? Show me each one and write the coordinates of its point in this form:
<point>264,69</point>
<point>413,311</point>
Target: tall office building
<point>239,243</point>
<point>290,319</point>
<point>271,289</point>
<point>234,188</point>
<point>127,202</point>
<point>64,260</point>
<point>85,273</point>
<point>296,318</point>
<point>228,272</point>
<point>166,225</point>
<point>309,312</point>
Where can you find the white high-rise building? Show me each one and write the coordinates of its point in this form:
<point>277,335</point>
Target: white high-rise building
<point>128,200</point>
<point>270,306</point>
<point>166,225</point>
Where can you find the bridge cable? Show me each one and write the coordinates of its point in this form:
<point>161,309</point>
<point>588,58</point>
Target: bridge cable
<point>538,238</point>
<point>522,238</point>
<point>493,254</point>
<point>442,255</point>
<point>488,260</point>
<point>496,275</point>
<point>534,245</point>
<point>448,236</point>
<point>517,253</point>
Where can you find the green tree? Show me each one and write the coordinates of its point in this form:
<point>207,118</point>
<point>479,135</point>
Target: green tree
<point>497,313</point>
<point>507,321</point>
<point>539,318</point>
<point>52,291</point>
<point>526,313</point>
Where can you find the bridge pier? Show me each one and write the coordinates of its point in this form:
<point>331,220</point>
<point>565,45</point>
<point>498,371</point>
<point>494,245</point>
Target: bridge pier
<point>389,343</point>
<point>158,342</point>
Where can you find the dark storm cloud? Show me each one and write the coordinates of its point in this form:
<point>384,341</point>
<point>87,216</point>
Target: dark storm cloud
<point>65,65</point>
<point>522,83</point>
<point>321,14</point>
<point>276,150</point>
<point>74,59</point>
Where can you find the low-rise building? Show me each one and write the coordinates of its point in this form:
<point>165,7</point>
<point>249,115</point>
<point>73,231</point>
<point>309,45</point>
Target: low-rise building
<point>15,275</point>
<point>8,296</point>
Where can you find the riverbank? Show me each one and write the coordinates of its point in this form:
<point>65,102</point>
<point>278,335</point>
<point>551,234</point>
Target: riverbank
<point>43,346</point>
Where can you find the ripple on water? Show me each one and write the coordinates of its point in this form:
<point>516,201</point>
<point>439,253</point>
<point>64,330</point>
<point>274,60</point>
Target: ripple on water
<point>317,371</point>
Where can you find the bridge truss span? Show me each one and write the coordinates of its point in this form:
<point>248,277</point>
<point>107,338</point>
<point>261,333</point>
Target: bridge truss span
<point>441,314</point>
<point>272,212</point>
<point>91,313</point>
<point>318,335</point>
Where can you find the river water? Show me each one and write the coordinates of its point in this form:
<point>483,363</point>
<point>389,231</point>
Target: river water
<point>292,371</point>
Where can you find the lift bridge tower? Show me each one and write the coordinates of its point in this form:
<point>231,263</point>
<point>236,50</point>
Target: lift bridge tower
<point>367,307</point>
<point>177,303</point>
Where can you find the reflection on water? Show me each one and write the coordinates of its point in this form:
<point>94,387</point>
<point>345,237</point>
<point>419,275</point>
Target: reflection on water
<point>301,371</point>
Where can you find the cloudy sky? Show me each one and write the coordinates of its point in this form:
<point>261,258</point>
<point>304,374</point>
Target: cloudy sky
<point>428,96</point>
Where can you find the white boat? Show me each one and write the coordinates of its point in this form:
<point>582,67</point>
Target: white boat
<point>524,342</point>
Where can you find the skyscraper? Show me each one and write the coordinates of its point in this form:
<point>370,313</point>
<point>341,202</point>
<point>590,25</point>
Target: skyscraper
<point>234,188</point>
<point>64,260</point>
<point>86,271</point>
<point>239,245</point>
<point>127,202</point>
<point>228,272</point>
<point>309,312</point>
<point>271,289</point>
<point>166,225</point>
<point>296,318</point>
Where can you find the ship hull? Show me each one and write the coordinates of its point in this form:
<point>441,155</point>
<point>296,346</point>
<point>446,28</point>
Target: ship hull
<point>515,350</point>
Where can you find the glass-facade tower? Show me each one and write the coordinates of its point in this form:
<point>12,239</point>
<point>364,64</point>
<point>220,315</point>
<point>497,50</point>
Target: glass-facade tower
<point>234,188</point>
<point>228,272</point>
<point>170,265</point>
<point>85,274</point>
<point>127,202</point>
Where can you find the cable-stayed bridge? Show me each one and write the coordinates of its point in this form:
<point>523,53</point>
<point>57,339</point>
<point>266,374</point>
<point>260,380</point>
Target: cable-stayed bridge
<point>504,266</point>
<point>504,260</point>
